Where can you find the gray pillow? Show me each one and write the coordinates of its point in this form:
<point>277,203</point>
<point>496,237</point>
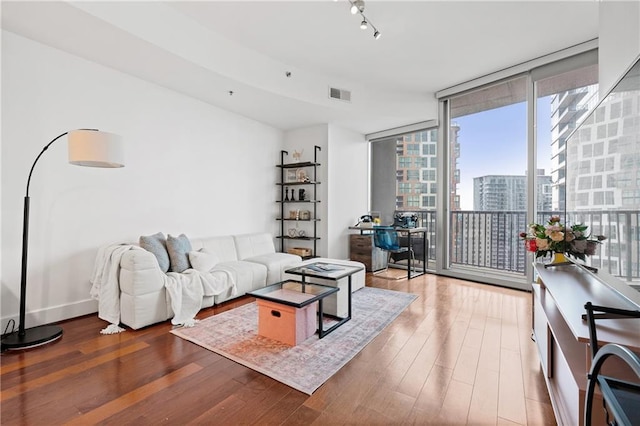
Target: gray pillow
<point>179,248</point>
<point>157,245</point>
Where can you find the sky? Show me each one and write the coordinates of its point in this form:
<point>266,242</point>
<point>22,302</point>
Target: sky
<point>494,142</point>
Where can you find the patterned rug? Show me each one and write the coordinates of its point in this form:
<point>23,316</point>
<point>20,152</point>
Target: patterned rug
<point>305,367</point>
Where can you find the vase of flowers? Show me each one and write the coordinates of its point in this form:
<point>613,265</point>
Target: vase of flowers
<point>559,240</point>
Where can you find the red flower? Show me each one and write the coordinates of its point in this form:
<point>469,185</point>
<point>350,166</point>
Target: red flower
<point>530,245</point>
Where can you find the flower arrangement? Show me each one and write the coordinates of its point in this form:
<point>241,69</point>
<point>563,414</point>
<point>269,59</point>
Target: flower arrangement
<point>555,237</point>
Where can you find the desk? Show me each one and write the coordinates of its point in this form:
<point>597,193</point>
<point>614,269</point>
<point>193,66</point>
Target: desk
<point>410,233</point>
<point>362,249</point>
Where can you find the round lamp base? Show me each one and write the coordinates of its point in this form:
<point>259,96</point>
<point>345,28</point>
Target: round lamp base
<point>33,337</point>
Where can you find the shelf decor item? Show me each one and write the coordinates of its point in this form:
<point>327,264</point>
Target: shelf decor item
<point>87,147</point>
<point>300,251</point>
<point>303,176</point>
<point>558,240</point>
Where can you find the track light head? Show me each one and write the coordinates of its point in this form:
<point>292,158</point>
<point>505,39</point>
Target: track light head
<point>357,6</point>
<point>363,24</point>
<point>376,34</point>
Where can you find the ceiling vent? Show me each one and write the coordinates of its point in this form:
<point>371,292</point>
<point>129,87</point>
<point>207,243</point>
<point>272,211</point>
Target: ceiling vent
<point>340,94</point>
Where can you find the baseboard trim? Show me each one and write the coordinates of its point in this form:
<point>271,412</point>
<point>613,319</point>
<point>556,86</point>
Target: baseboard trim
<point>53,314</point>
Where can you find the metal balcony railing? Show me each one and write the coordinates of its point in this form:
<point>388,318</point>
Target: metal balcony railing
<point>490,239</point>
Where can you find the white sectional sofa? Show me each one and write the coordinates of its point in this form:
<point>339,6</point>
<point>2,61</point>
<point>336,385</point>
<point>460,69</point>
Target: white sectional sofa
<point>250,258</point>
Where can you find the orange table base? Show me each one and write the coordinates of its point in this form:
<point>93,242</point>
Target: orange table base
<point>286,324</point>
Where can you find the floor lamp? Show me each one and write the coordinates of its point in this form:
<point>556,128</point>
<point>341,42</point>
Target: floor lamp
<point>87,147</point>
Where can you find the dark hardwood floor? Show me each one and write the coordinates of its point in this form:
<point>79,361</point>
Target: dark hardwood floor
<point>460,354</point>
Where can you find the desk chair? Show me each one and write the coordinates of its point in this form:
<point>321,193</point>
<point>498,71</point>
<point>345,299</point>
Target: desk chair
<point>386,238</point>
<point>621,398</point>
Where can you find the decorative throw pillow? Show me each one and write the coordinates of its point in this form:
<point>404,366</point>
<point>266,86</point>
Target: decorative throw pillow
<point>157,245</point>
<point>178,248</point>
<point>203,260</point>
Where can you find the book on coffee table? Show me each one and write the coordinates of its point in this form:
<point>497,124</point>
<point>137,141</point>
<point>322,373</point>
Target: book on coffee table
<point>324,267</point>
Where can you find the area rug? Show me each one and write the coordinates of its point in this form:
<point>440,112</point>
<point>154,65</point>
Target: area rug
<point>305,367</point>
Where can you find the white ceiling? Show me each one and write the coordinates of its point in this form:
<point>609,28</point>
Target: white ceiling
<point>207,48</point>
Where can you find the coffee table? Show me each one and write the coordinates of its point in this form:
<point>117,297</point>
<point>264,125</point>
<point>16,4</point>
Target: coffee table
<point>328,271</point>
<point>287,310</point>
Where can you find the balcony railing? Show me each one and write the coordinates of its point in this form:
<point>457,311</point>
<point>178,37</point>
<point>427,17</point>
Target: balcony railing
<point>490,239</point>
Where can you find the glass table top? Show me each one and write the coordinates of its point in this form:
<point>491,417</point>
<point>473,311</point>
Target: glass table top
<point>330,271</point>
<point>293,293</point>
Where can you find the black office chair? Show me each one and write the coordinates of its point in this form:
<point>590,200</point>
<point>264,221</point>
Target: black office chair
<point>386,238</point>
<point>621,398</point>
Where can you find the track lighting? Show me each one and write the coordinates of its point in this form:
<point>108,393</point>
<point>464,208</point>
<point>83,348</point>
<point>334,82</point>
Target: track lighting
<point>357,6</point>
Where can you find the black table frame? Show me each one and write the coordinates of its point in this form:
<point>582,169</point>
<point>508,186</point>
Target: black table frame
<point>304,272</point>
<point>318,298</point>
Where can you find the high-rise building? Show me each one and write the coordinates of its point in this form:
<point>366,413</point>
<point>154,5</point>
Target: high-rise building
<point>603,181</point>
<point>416,171</point>
<point>500,193</point>
<point>568,109</point>
<point>509,192</point>
<point>505,196</point>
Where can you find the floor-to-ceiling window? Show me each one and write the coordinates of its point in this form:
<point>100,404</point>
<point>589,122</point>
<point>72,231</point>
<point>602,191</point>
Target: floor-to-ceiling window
<point>403,177</point>
<point>490,128</point>
<point>498,165</point>
<point>510,135</point>
<point>562,102</point>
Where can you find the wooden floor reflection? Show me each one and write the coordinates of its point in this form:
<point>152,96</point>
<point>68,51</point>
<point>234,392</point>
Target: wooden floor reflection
<point>460,354</point>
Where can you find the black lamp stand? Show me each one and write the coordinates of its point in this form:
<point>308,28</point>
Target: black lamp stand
<point>35,336</point>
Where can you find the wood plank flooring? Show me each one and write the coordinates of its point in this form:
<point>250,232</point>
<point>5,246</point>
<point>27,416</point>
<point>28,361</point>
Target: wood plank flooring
<point>460,354</point>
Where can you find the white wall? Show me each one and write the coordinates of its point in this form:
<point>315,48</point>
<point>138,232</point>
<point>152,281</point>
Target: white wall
<point>343,191</point>
<point>348,165</point>
<point>190,168</point>
<point>619,40</point>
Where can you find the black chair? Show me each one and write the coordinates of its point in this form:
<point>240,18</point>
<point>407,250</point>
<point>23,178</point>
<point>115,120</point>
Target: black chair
<point>621,398</point>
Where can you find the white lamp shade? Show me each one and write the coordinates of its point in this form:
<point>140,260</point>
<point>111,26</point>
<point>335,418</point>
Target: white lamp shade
<point>94,148</point>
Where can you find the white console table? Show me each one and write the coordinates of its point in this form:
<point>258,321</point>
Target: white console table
<point>562,336</point>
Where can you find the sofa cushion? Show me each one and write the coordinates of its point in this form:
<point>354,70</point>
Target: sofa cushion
<point>224,247</point>
<point>252,245</point>
<point>248,276</point>
<point>276,263</point>
<point>203,260</point>
<point>157,244</point>
<point>178,249</point>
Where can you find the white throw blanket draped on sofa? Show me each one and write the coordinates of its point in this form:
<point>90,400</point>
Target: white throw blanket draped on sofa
<point>104,284</point>
<point>187,289</point>
<point>184,289</point>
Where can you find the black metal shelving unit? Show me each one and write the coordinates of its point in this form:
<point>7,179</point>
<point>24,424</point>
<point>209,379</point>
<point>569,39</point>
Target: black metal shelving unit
<point>312,201</point>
